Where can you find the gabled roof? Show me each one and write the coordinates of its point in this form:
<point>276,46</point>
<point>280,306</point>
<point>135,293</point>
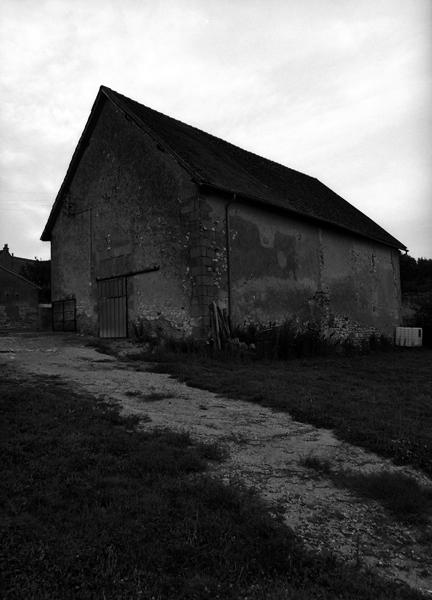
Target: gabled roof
<point>216,164</point>
<point>20,277</point>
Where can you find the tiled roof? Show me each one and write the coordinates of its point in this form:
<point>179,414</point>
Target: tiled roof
<point>214,162</point>
<point>20,277</point>
<point>220,164</point>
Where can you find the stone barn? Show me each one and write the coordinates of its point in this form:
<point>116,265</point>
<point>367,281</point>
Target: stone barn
<point>156,219</point>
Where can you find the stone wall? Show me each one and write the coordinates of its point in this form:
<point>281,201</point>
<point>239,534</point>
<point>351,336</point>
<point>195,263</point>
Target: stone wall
<point>125,212</point>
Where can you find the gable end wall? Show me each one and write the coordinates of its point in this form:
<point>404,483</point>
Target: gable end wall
<point>127,209</point>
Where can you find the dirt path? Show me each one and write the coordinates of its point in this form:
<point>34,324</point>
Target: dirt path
<point>266,448</point>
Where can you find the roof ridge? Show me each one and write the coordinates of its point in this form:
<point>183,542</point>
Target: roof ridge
<point>125,100</point>
<point>206,133</point>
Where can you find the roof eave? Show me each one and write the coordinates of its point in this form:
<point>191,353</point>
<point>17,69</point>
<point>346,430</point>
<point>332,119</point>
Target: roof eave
<point>264,203</point>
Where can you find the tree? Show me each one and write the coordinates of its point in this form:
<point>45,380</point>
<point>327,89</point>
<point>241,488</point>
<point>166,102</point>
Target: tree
<point>416,275</point>
<point>416,283</point>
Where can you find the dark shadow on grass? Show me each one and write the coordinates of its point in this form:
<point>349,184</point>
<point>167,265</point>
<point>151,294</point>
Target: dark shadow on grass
<point>95,508</point>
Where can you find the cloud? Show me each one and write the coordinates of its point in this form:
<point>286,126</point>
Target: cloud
<point>338,89</point>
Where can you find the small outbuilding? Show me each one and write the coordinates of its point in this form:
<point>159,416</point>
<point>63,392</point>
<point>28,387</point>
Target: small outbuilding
<point>19,307</point>
<point>156,219</point>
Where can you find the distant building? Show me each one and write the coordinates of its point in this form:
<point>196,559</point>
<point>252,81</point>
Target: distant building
<point>18,301</point>
<point>14,263</point>
<point>156,219</point>
<point>24,292</point>
<point>35,270</point>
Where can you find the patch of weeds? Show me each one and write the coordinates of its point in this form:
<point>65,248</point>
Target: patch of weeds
<point>134,356</point>
<point>401,494</point>
<point>238,438</point>
<point>321,465</point>
<point>335,513</point>
<point>103,361</point>
<point>213,451</point>
<point>155,396</point>
<point>425,537</point>
<point>152,396</point>
<point>183,345</point>
<point>145,418</point>
<point>132,393</point>
<point>101,346</point>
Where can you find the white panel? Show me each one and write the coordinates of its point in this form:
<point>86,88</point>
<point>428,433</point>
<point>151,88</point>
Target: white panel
<point>409,336</point>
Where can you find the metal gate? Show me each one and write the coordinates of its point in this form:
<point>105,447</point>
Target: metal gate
<point>64,315</point>
<point>112,295</point>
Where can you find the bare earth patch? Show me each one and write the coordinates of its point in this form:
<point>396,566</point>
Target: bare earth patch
<point>267,449</point>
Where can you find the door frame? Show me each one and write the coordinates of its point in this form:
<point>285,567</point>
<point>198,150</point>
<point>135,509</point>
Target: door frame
<point>105,283</point>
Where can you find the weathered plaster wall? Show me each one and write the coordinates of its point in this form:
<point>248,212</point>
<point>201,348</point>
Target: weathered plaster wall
<point>282,267</point>
<point>126,210</point>
<point>362,280</point>
<point>275,267</point>
<point>18,303</point>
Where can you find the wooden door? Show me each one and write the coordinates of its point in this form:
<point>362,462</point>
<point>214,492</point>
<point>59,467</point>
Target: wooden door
<point>112,295</point>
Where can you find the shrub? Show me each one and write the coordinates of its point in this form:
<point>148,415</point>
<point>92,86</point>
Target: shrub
<point>322,465</point>
<point>294,339</point>
<point>401,494</point>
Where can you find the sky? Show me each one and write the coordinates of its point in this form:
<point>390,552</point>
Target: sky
<point>338,89</point>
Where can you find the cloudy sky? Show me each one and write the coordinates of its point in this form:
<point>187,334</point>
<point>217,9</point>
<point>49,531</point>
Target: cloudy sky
<point>338,89</point>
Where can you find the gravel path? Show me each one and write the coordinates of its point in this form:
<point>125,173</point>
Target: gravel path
<point>265,451</point>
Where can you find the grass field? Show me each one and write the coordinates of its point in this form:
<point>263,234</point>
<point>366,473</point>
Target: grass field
<point>93,508</point>
<point>381,401</point>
